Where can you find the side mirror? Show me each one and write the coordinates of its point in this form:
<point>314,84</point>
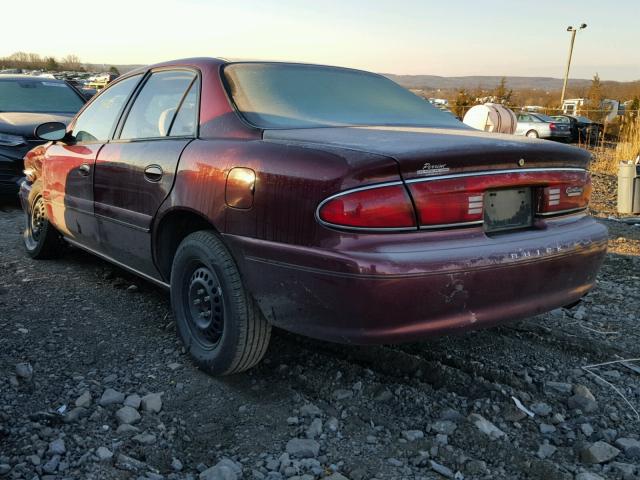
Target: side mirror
<point>51,131</point>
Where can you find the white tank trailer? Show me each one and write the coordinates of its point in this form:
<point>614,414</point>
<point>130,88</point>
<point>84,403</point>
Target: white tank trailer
<point>491,117</point>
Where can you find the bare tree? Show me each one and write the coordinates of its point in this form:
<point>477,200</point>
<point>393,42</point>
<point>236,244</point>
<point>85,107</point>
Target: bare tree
<point>71,62</point>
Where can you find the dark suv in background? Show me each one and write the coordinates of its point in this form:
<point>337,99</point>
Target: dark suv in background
<point>26,102</point>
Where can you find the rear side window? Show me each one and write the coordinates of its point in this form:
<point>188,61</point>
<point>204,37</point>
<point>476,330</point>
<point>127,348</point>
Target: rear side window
<point>155,108</point>
<point>95,123</point>
<point>184,124</point>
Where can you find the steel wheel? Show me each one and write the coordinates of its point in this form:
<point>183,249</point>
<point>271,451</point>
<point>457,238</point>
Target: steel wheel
<point>216,318</point>
<point>35,223</point>
<point>205,305</point>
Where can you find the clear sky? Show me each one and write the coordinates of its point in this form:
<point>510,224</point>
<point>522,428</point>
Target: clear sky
<point>443,37</point>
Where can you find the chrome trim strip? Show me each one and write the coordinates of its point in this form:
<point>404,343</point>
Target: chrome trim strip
<point>362,229</point>
<point>562,212</point>
<point>119,264</point>
<point>493,172</point>
<point>450,225</point>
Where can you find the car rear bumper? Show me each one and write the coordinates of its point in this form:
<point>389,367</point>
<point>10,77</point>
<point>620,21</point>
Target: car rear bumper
<point>421,284</point>
<point>10,175</point>
<point>560,135</point>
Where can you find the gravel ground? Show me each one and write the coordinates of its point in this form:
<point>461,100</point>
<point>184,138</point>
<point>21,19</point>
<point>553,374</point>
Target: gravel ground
<point>94,384</point>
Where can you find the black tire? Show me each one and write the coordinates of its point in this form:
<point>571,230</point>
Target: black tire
<point>217,319</point>
<point>41,239</point>
<point>533,134</point>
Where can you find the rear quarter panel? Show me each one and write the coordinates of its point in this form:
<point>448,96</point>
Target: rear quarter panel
<point>291,180</point>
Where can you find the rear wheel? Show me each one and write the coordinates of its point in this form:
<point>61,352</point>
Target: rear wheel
<point>41,239</point>
<point>217,319</point>
<point>532,134</point>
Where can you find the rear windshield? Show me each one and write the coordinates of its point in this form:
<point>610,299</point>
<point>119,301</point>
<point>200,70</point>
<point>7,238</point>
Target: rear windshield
<point>274,95</point>
<point>544,118</point>
<point>39,96</point>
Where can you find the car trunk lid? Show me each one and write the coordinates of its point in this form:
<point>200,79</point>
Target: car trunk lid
<point>426,152</point>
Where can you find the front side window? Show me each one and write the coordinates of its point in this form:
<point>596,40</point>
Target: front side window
<point>38,96</point>
<point>155,108</point>
<point>280,95</point>
<point>96,122</point>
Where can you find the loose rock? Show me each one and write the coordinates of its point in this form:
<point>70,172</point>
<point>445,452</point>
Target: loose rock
<point>57,447</point>
<point>303,448</point>
<point>111,397</point>
<point>24,372</point>
<point>412,435</point>
<point>599,452</point>
<point>630,446</point>
<point>485,426</point>
<point>104,454</point>
<point>151,402</point>
<point>583,399</point>
<point>83,400</point>
<point>128,415</point>
<point>133,401</point>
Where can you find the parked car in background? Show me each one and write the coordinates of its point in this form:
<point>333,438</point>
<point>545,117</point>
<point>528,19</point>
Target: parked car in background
<point>537,125</point>
<point>326,201</point>
<point>583,130</point>
<point>25,103</point>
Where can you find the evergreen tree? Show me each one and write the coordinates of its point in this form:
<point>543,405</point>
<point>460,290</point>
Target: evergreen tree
<point>51,65</point>
<point>501,93</point>
<point>462,103</point>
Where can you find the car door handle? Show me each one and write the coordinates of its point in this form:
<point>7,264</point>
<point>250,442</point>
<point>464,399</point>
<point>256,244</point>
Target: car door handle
<point>153,173</point>
<point>84,169</point>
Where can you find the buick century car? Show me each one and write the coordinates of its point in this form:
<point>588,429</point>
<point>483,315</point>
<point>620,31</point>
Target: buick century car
<point>325,201</point>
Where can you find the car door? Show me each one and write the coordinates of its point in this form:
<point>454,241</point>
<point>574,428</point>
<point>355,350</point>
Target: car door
<point>134,172</point>
<point>523,124</point>
<point>69,166</point>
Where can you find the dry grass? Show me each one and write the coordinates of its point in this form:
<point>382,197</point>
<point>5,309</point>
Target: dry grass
<point>629,145</point>
<point>607,159</point>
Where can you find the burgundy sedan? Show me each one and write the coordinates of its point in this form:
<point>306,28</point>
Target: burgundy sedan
<point>326,201</point>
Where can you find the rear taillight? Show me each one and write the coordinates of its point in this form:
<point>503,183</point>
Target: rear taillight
<point>571,192</point>
<point>552,126</point>
<point>459,200</point>
<point>448,202</point>
<point>377,207</point>
<point>454,200</point>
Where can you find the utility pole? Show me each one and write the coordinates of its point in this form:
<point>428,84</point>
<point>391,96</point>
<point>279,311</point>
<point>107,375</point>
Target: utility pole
<point>566,73</point>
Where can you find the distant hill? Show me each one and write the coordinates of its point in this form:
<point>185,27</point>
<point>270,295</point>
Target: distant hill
<point>434,82</point>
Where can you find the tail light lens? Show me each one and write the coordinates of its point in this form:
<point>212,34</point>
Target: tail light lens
<point>384,207</point>
<point>571,192</point>
<point>453,201</point>
<point>459,200</point>
<point>552,126</point>
<point>449,202</point>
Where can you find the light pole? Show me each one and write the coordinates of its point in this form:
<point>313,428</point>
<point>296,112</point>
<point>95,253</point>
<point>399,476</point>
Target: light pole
<point>573,31</point>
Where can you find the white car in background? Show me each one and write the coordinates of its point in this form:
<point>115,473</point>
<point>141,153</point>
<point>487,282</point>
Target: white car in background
<point>537,125</point>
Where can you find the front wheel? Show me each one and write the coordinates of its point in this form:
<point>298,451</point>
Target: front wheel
<point>217,319</point>
<point>41,240</point>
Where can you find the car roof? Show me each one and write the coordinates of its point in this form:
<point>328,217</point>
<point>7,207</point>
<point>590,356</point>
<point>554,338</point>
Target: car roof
<point>17,76</point>
<point>207,62</point>
<point>198,62</point>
